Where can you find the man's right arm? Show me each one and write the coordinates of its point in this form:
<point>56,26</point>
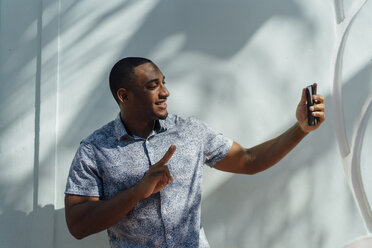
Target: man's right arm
<point>87,215</point>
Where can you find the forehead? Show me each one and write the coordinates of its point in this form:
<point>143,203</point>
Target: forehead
<point>147,72</point>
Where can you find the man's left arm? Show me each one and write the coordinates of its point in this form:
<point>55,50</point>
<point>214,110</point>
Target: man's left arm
<point>263,156</point>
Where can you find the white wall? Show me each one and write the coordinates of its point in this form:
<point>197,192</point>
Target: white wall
<point>239,65</point>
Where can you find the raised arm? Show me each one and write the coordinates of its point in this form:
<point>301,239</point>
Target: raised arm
<point>265,155</point>
<point>88,215</point>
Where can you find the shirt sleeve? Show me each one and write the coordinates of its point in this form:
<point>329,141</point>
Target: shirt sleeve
<point>84,177</point>
<point>215,145</point>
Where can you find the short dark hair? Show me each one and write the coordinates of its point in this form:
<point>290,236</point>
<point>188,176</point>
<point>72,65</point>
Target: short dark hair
<point>122,73</point>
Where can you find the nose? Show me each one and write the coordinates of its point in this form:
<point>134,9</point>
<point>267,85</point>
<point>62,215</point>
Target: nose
<point>164,93</point>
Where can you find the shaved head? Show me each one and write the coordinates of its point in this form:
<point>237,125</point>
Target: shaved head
<point>122,73</point>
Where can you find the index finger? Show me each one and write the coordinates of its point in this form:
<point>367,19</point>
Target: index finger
<point>167,155</point>
<point>318,98</point>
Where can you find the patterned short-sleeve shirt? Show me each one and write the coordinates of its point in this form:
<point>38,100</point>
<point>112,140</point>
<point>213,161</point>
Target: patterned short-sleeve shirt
<point>110,161</point>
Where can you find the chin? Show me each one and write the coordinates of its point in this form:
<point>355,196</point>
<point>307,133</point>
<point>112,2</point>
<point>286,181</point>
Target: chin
<point>162,116</point>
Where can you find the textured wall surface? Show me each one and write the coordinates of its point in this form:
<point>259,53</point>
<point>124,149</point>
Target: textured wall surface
<point>238,65</point>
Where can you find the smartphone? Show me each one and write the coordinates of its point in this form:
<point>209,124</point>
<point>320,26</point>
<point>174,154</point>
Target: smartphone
<point>310,91</point>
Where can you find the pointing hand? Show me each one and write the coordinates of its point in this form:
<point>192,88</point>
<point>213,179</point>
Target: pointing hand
<point>157,177</point>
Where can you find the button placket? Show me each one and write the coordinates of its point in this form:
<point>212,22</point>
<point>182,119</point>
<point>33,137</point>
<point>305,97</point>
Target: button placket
<point>165,218</point>
<point>149,151</point>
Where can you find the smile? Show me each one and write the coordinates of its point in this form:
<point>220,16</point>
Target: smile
<point>161,104</point>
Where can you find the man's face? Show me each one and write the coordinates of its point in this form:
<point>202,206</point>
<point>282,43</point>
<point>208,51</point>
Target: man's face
<point>148,95</point>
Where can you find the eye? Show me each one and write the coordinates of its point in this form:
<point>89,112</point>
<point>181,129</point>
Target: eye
<point>152,86</point>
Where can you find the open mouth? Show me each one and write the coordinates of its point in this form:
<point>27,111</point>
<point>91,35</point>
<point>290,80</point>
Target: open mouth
<point>161,104</point>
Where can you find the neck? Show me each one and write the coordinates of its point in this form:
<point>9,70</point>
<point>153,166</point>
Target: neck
<point>138,127</point>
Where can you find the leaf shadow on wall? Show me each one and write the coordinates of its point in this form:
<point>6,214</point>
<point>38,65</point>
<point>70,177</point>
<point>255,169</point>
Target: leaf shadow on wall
<point>208,29</point>
<point>219,30</point>
<point>34,230</point>
<point>263,207</point>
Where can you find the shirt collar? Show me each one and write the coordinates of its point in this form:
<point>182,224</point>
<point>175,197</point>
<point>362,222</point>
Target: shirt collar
<point>122,133</point>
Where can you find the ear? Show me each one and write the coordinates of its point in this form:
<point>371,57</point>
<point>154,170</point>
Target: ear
<point>122,95</point>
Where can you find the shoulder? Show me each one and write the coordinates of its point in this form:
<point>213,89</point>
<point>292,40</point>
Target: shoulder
<point>176,121</point>
<point>187,126</point>
<point>101,136</point>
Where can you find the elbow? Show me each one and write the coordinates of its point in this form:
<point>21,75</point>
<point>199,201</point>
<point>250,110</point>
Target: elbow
<point>75,230</point>
<point>250,170</point>
<point>76,227</point>
<point>250,163</point>
<point>77,234</point>
<point>255,163</point>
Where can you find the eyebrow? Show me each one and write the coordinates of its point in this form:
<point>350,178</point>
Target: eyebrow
<point>154,80</point>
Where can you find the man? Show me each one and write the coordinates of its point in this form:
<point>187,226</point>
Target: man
<point>139,176</point>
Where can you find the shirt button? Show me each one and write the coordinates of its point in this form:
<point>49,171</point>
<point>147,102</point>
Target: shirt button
<point>147,142</point>
<point>164,211</point>
<point>169,237</point>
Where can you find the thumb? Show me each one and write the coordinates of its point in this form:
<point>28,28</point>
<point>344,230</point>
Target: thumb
<point>315,88</point>
<point>303,97</point>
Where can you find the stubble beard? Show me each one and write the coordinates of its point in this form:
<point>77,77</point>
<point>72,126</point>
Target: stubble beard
<point>163,117</point>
